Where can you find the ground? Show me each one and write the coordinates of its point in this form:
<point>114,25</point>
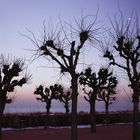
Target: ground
<point>111,132</point>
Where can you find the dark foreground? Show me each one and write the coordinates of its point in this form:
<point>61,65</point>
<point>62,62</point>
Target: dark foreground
<point>111,132</point>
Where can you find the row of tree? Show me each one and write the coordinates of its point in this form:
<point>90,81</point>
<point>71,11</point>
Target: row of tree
<point>62,48</point>
<point>124,54</point>
<point>56,92</point>
<point>101,87</point>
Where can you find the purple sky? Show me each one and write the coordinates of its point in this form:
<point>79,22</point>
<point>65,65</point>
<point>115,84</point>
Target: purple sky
<point>17,15</point>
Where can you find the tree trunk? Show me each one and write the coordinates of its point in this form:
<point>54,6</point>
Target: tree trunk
<point>67,108</point>
<point>136,133</point>
<point>47,116</point>
<point>2,106</point>
<point>74,85</point>
<point>106,115</point>
<point>0,126</point>
<point>92,116</point>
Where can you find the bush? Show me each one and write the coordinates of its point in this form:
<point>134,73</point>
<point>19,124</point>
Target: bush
<point>40,119</point>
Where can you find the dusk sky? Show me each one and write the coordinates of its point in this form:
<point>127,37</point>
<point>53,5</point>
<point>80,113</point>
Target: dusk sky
<point>16,16</point>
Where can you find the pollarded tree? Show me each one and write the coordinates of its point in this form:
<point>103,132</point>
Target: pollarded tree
<point>93,84</point>
<point>65,97</point>
<point>127,50</point>
<point>10,78</point>
<point>108,92</point>
<point>90,82</point>
<point>64,51</point>
<point>48,94</point>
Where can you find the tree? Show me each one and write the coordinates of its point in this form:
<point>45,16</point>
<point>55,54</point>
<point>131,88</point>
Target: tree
<point>10,78</point>
<point>94,84</point>
<point>91,84</point>
<point>127,50</point>
<point>48,94</point>
<point>108,92</point>
<point>64,50</point>
<point>65,97</point>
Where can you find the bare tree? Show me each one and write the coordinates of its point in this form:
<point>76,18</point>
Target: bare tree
<point>92,83</point>
<point>10,78</point>
<point>64,51</point>
<point>95,87</point>
<point>65,97</point>
<point>89,80</point>
<point>126,55</point>
<point>48,94</point>
<point>108,92</point>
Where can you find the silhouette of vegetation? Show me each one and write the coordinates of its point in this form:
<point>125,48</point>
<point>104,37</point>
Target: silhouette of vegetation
<point>127,50</point>
<point>93,86</point>
<point>10,78</point>
<point>64,51</point>
<point>65,97</point>
<point>38,118</point>
<point>53,92</point>
<point>47,95</point>
<point>108,91</point>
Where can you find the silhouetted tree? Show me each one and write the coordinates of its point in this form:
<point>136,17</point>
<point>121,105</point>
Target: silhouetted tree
<point>93,84</point>
<point>59,48</point>
<point>10,78</point>
<point>90,82</point>
<point>65,97</point>
<point>108,92</point>
<point>91,88</point>
<point>127,50</point>
<point>48,94</point>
